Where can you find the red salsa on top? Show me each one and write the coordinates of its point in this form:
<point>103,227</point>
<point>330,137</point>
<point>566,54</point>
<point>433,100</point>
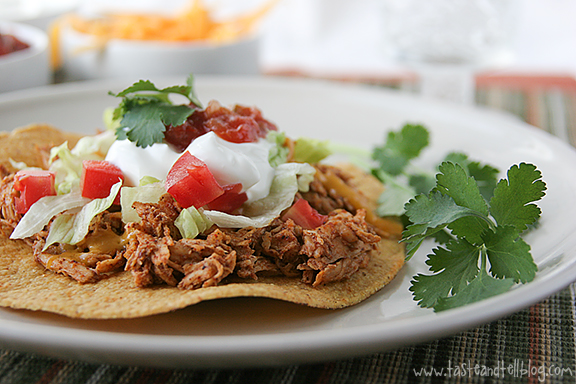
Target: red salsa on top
<point>9,44</point>
<point>240,124</point>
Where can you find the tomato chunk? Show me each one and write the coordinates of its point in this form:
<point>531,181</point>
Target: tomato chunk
<point>97,179</point>
<point>230,200</point>
<point>32,185</point>
<point>304,215</point>
<point>191,183</point>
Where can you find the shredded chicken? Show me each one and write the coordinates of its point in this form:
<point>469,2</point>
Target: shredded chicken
<point>8,212</point>
<point>154,252</point>
<point>338,248</point>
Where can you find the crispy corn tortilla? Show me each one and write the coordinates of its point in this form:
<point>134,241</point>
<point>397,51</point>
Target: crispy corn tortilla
<point>26,144</point>
<point>25,284</point>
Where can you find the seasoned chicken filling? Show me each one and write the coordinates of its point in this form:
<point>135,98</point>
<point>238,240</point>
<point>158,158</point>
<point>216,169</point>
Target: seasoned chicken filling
<point>153,251</point>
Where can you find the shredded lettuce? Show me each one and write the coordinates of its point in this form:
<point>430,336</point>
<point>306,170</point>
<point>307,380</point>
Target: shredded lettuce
<point>278,152</point>
<point>191,222</point>
<point>61,230</point>
<point>111,123</point>
<point>289,178</point>
<point>71,228</point>
<point>19,165</point>
<point>67,167</point>
<point>97,146</point>
<point>67,164</point>
<point>145,180</point>
<point>307,150</point>
<point>147,193</point>
<point>41,212</point>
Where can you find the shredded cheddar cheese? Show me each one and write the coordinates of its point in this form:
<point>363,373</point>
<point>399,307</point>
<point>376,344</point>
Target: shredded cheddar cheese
<point>195,23</point>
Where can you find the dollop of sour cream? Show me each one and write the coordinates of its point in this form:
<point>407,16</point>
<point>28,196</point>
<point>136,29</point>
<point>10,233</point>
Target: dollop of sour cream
<point>230,163</point>
<point>137,162</point>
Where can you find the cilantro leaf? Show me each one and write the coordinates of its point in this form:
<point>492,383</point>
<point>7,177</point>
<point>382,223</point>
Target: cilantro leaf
<point>430,214</point>
<point>486,177</point>
<point>143,131</point>
<point>145,123</point>
<point>457,158</point>
<point>480,233</point>
<point>511,204</point>
<point>140,86</point>
<point>481,287</point>
<point>400,148</point>
<point>175,114</point>
<point>457,265</point>
<point>427,290</point>
<point>470,228</point>
<point>434,210</point>
<point>442,237</point>
<point>509,255</point>
<point>421,182</point>
<point>454,182</point>
<point>144,116</point>
<point>147,86</point>
<point>394,168</point>
<point>477,219</point>
<point>190,92</point>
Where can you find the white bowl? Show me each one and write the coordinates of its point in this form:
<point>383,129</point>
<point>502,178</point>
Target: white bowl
<point>29,67</point>
<point>82,59</point>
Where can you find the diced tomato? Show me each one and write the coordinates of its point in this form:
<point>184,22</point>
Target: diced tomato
<point>304,215</point>
<point>231,200</point>
<point>191,183</point>
<point>97,179</point>
<point>32,185</point>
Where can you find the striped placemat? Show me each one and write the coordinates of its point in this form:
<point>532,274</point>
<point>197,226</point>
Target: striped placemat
<point>547,102</point>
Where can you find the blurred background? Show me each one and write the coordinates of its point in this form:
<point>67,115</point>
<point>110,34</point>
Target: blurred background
<point>516,55</point>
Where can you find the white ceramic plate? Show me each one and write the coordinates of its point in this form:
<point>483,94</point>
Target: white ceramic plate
<point>248,332</point>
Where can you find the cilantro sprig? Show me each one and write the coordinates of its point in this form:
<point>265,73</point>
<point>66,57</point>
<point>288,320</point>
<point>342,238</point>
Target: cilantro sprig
<point>146,110</point>
<point>486,254</point>
<point>394,168</point>
<point>477,220</point>
<point>403,180</point>
<point>400,148</point>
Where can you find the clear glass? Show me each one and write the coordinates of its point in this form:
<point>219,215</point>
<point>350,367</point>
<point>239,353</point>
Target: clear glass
<point>446,41</point>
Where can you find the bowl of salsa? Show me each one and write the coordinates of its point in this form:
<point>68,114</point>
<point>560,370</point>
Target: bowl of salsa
<point>23,57</point>
<point>10,44</point>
